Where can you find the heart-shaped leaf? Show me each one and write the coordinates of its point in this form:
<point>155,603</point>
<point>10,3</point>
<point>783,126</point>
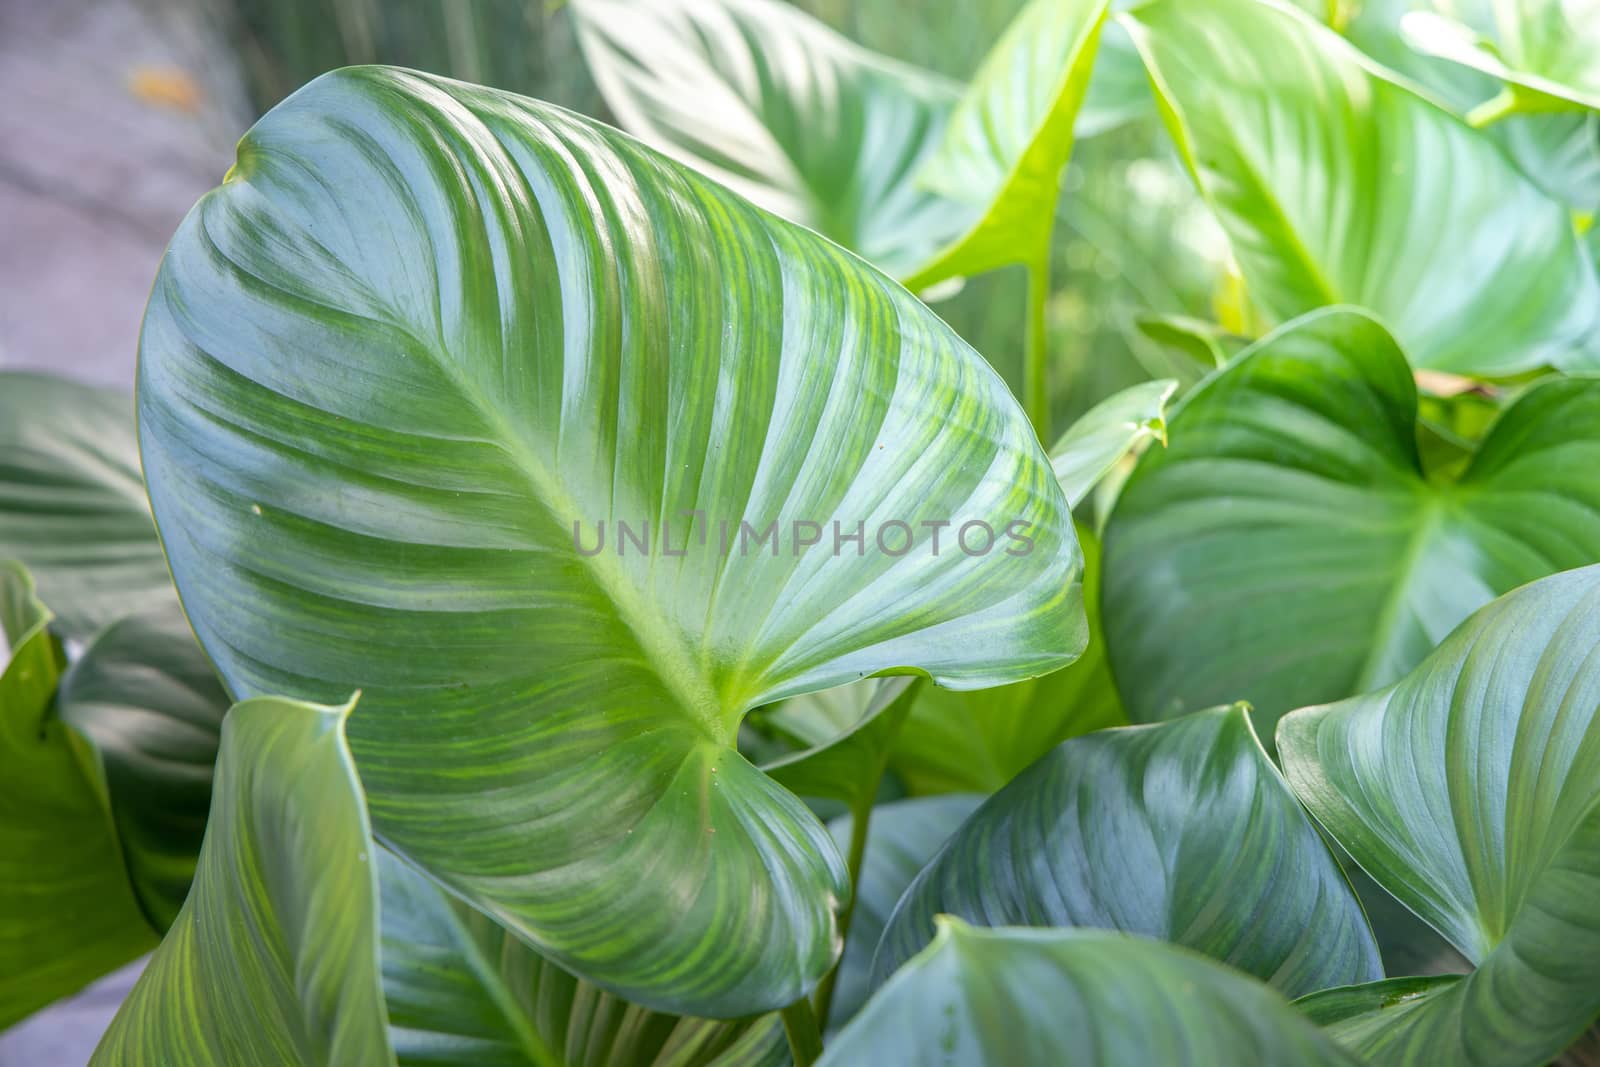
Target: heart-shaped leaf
<point>1338,184</point>
<point>900,165</point>
<point>147,699</point>
<point>462,990</point>
<point>1124,829</point>
<point>397,372</point>
<point>72,503</point>
<point>905,835</point>
<point>1471,791</point>
<point>1073,996</point>
<point>274,958</point>
<point>977,742</point>
<point>1288,548</point>
<point>1546,51</point>
<point>67,913</point>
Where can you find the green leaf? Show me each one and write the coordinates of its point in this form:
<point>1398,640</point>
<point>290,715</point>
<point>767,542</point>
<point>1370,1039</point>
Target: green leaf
<point>1208,344</point>
<point>67,914</point>
<point>1010,137</point>
<point>147,699</point>
<point>1337,184</point>
<point>428,333</point>
<point>274,958</point>
<point>1288,548</point>
<point>1128,830</point>
<point>1471,791</point>
<point>1358,1017</point>
<point>1112,430</point>
<point>849,744</point>
<point>1547,51</point>
<point>904,836</point>
<point>462,990</point>
<point>977,742</point>
<point>895,163</point>
<point>72,503</point>
<point>784,111</point>
<point>1073,996</point>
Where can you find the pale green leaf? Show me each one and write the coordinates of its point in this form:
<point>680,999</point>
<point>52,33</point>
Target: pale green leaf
<point>1470,790</point>
<point>1338,184</point>
<point>1117,427</point>
<point>394,375</point>
<point>1546,51</point>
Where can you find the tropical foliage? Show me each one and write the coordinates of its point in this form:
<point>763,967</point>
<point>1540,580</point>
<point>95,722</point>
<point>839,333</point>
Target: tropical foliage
<point>567,596</point>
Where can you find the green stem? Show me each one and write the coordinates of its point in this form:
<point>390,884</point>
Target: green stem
<point>1036,368</point>
<point>800,1027</point>
<point>1492,110</point>
<point>860,820</point>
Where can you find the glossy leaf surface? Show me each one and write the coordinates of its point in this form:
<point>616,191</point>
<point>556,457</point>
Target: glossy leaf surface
<point>1470,790</point>
<point>67,914</point>
<point>1073,996</point>
<point>1109,432</point>
<point>395,374</point>
<point>1338,185</point>
<point>850,731</point>
<point>1288,548</point>
<point>72,503</point>
<point>1182,832</point>
<point>274,958</point>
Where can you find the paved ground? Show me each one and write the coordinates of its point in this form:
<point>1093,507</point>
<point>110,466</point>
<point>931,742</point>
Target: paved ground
<point>111,124</point>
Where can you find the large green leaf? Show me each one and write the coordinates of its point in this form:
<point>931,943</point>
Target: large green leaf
<point>67,913</point>
<point>977,742</point>
<point>396,372</point>
<point>147,699</point>
<point>1471,791</point>
<point>921,178</point>
<point>1183,832</point>
<point>462,991</point>
<point>1288,548</point>
<point>72,503</point>
<point>1337,184</point>
<point>1089,997</point>
<point>275,957</point>
<point>905,835</point>
<point>1546,51</point>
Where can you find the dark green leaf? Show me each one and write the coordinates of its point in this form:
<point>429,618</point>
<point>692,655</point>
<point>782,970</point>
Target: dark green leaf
<point>148,701</point>
<point>849,745</point>
<point>1082,997</point>
<point>1183,832</point>
<point>427,332</point>
<point>904,836</point>
<point>1288,547</point>
<point>1471,791</point>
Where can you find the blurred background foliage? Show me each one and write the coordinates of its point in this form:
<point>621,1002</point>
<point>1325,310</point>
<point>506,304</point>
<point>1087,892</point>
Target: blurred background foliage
<point>1132,237</point>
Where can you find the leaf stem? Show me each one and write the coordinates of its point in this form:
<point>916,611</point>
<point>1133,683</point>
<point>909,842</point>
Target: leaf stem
<point>800,1027</point>
<point>860,820</point>
<point>1492,110</point>
<point>1036,368</point>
